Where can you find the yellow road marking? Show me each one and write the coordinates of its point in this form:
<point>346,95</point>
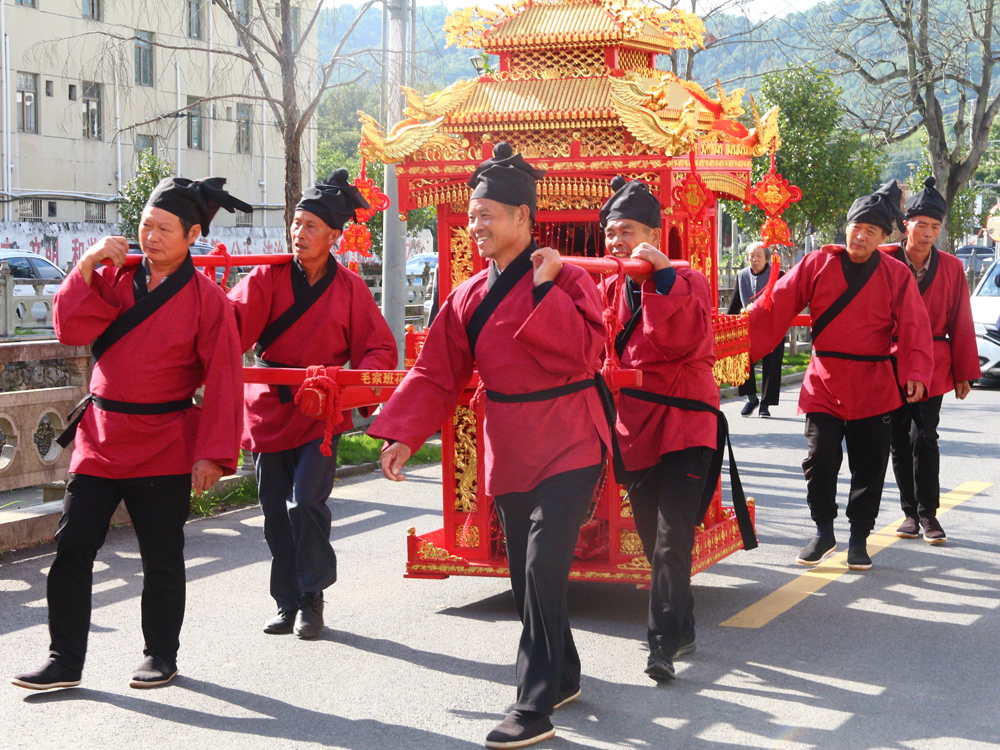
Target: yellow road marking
<point>813,579</point>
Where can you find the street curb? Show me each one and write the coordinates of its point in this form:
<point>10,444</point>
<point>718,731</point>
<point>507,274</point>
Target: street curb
<point>791,379</point>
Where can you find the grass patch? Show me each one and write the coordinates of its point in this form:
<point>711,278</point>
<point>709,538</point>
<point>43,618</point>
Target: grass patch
<point>795,363</point>
<point>211,502</point>
<point>358,448</point>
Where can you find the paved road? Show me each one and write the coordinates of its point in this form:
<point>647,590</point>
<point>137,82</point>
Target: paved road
<point>903,656</point>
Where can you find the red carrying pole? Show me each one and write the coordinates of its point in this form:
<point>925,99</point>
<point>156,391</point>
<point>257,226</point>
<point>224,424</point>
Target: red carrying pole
<point>271,259</point>
<point>607,265</point>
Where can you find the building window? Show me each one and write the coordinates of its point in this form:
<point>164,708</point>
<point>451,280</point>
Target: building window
<point>194,115</point>
<point>95,213</point>
<point>91,9</point>
<point>243,120</point>
<point>72,92</point>
<point>143,143</point>
<point>193,18</point>
<point>144,58</point>
<point>29,209</point>
<point>27,104</point>
<point>48,88</point>
<point>293,20</point>
<point>25,3</point>
<point>52,209</point>
<point>241,9</point>
<point>244,219</point>
<point>91,107</point>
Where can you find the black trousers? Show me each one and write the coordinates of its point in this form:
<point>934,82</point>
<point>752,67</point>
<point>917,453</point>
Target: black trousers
<point>159,507</point>
<point>293,487</point>
<point>542,526</point>
<point>770,381</point>
<point>916,461</point>
<point>664,505</point>
<point>867,456</point>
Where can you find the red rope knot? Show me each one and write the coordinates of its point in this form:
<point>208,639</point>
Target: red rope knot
<point>320,398</point>
<point>220,249</point>
<point>612,323</point>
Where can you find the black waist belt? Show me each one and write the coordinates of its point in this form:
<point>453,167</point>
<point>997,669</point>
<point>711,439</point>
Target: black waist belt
<point>936,338</point>
<point>284,391</point>
<point>855,357</point>
<point>722,440</point>
<point>121,407</point>
<point>545,395</point>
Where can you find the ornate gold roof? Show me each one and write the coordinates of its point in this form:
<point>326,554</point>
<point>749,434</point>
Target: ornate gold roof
<point>554,23</point>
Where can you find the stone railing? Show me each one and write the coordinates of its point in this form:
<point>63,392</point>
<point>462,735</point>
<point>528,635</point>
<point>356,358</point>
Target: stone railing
<point>30,420</point>
<point>417,289</point>
<point>25,305</point>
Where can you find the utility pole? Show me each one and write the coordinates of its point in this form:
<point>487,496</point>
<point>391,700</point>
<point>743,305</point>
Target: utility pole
<point>394,230</point>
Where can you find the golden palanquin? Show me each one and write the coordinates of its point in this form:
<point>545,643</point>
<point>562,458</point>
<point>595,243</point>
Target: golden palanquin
<point>576,93</point>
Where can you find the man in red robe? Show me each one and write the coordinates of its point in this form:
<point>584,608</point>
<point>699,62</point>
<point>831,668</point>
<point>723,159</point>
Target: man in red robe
<point>159,331</point>
<point>941,280</point>
<point>312,311</point>
<point>667,449</point>
<point>860,300</point>
<point>534,329</point>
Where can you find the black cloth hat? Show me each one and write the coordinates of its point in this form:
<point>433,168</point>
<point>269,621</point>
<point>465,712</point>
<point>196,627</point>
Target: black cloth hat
<point>881,208</point>
<point>506,178</point>
<point>631,200</point>
<point>928,202</point>
<point>195,201</point>
<point>334,199</point>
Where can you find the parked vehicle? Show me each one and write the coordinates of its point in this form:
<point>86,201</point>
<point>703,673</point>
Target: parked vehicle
<point>416,263</point>
<point>198,248</point>
<point>986,316</point>
<point>27,265</point>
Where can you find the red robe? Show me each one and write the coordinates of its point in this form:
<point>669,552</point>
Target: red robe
<point>343,325</point>
<point>189,341</point>
<point>888,305</point>
<point>950,313</point>
<point>522,348</point>
<point>674,350</point>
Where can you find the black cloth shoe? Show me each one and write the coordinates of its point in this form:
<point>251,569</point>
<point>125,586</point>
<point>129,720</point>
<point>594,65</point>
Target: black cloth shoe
<point>281,623</point>
<point>933,533</point>
<point>749,407</point>
<point>857,555</point>
<point>521,729</point>
<point>816,550</point>
<point>660,666</point>
<point>309,620</point>
<point>764,412</point>
<point>48,676</point>
<point>567,695</point>
<point>909,529</point>
<point>686,646</point>
<point>153,672</point>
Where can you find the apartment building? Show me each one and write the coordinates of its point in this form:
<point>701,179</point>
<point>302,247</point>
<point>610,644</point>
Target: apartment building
<point>89,84</point>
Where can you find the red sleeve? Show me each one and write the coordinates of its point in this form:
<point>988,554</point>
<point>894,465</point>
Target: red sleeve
<point>962,334</point>
<point>790,295</point>
<point>430,390</point>
<point>251,300</point>
<point>373,346</point>
<point>80,311</point>
<point>915,352</point>
<point>221,425</point>
<point>565,332</point>
<point>677,323</point>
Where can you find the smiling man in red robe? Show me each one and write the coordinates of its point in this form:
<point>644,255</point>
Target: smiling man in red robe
<point>534,328</point>
<point>158,332</point>
<point>941,280</point>
<point>312,311</point>
<point>861,299</point>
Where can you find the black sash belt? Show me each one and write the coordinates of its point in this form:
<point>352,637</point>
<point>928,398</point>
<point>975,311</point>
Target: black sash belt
<point>121,407</point>
<point>936,338</point>
<point>285,395</point>
<point>855,357</point>
<point>722,440</point>
<point>545,395</point>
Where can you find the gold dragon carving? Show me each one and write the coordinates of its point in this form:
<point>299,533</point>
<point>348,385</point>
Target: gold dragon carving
<point>464,423</point>
<point>461,255</point>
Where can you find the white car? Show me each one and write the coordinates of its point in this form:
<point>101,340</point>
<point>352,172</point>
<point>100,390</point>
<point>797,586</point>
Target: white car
<point>28,266</point>
<point>986,316</point>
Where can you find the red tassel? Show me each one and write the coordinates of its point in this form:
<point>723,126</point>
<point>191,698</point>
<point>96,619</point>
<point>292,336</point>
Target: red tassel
<point>765,296</point>
<point>319,398</point>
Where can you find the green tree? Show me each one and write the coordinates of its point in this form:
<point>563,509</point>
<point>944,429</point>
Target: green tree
<point>832,165</point>
<point>136,191</point>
